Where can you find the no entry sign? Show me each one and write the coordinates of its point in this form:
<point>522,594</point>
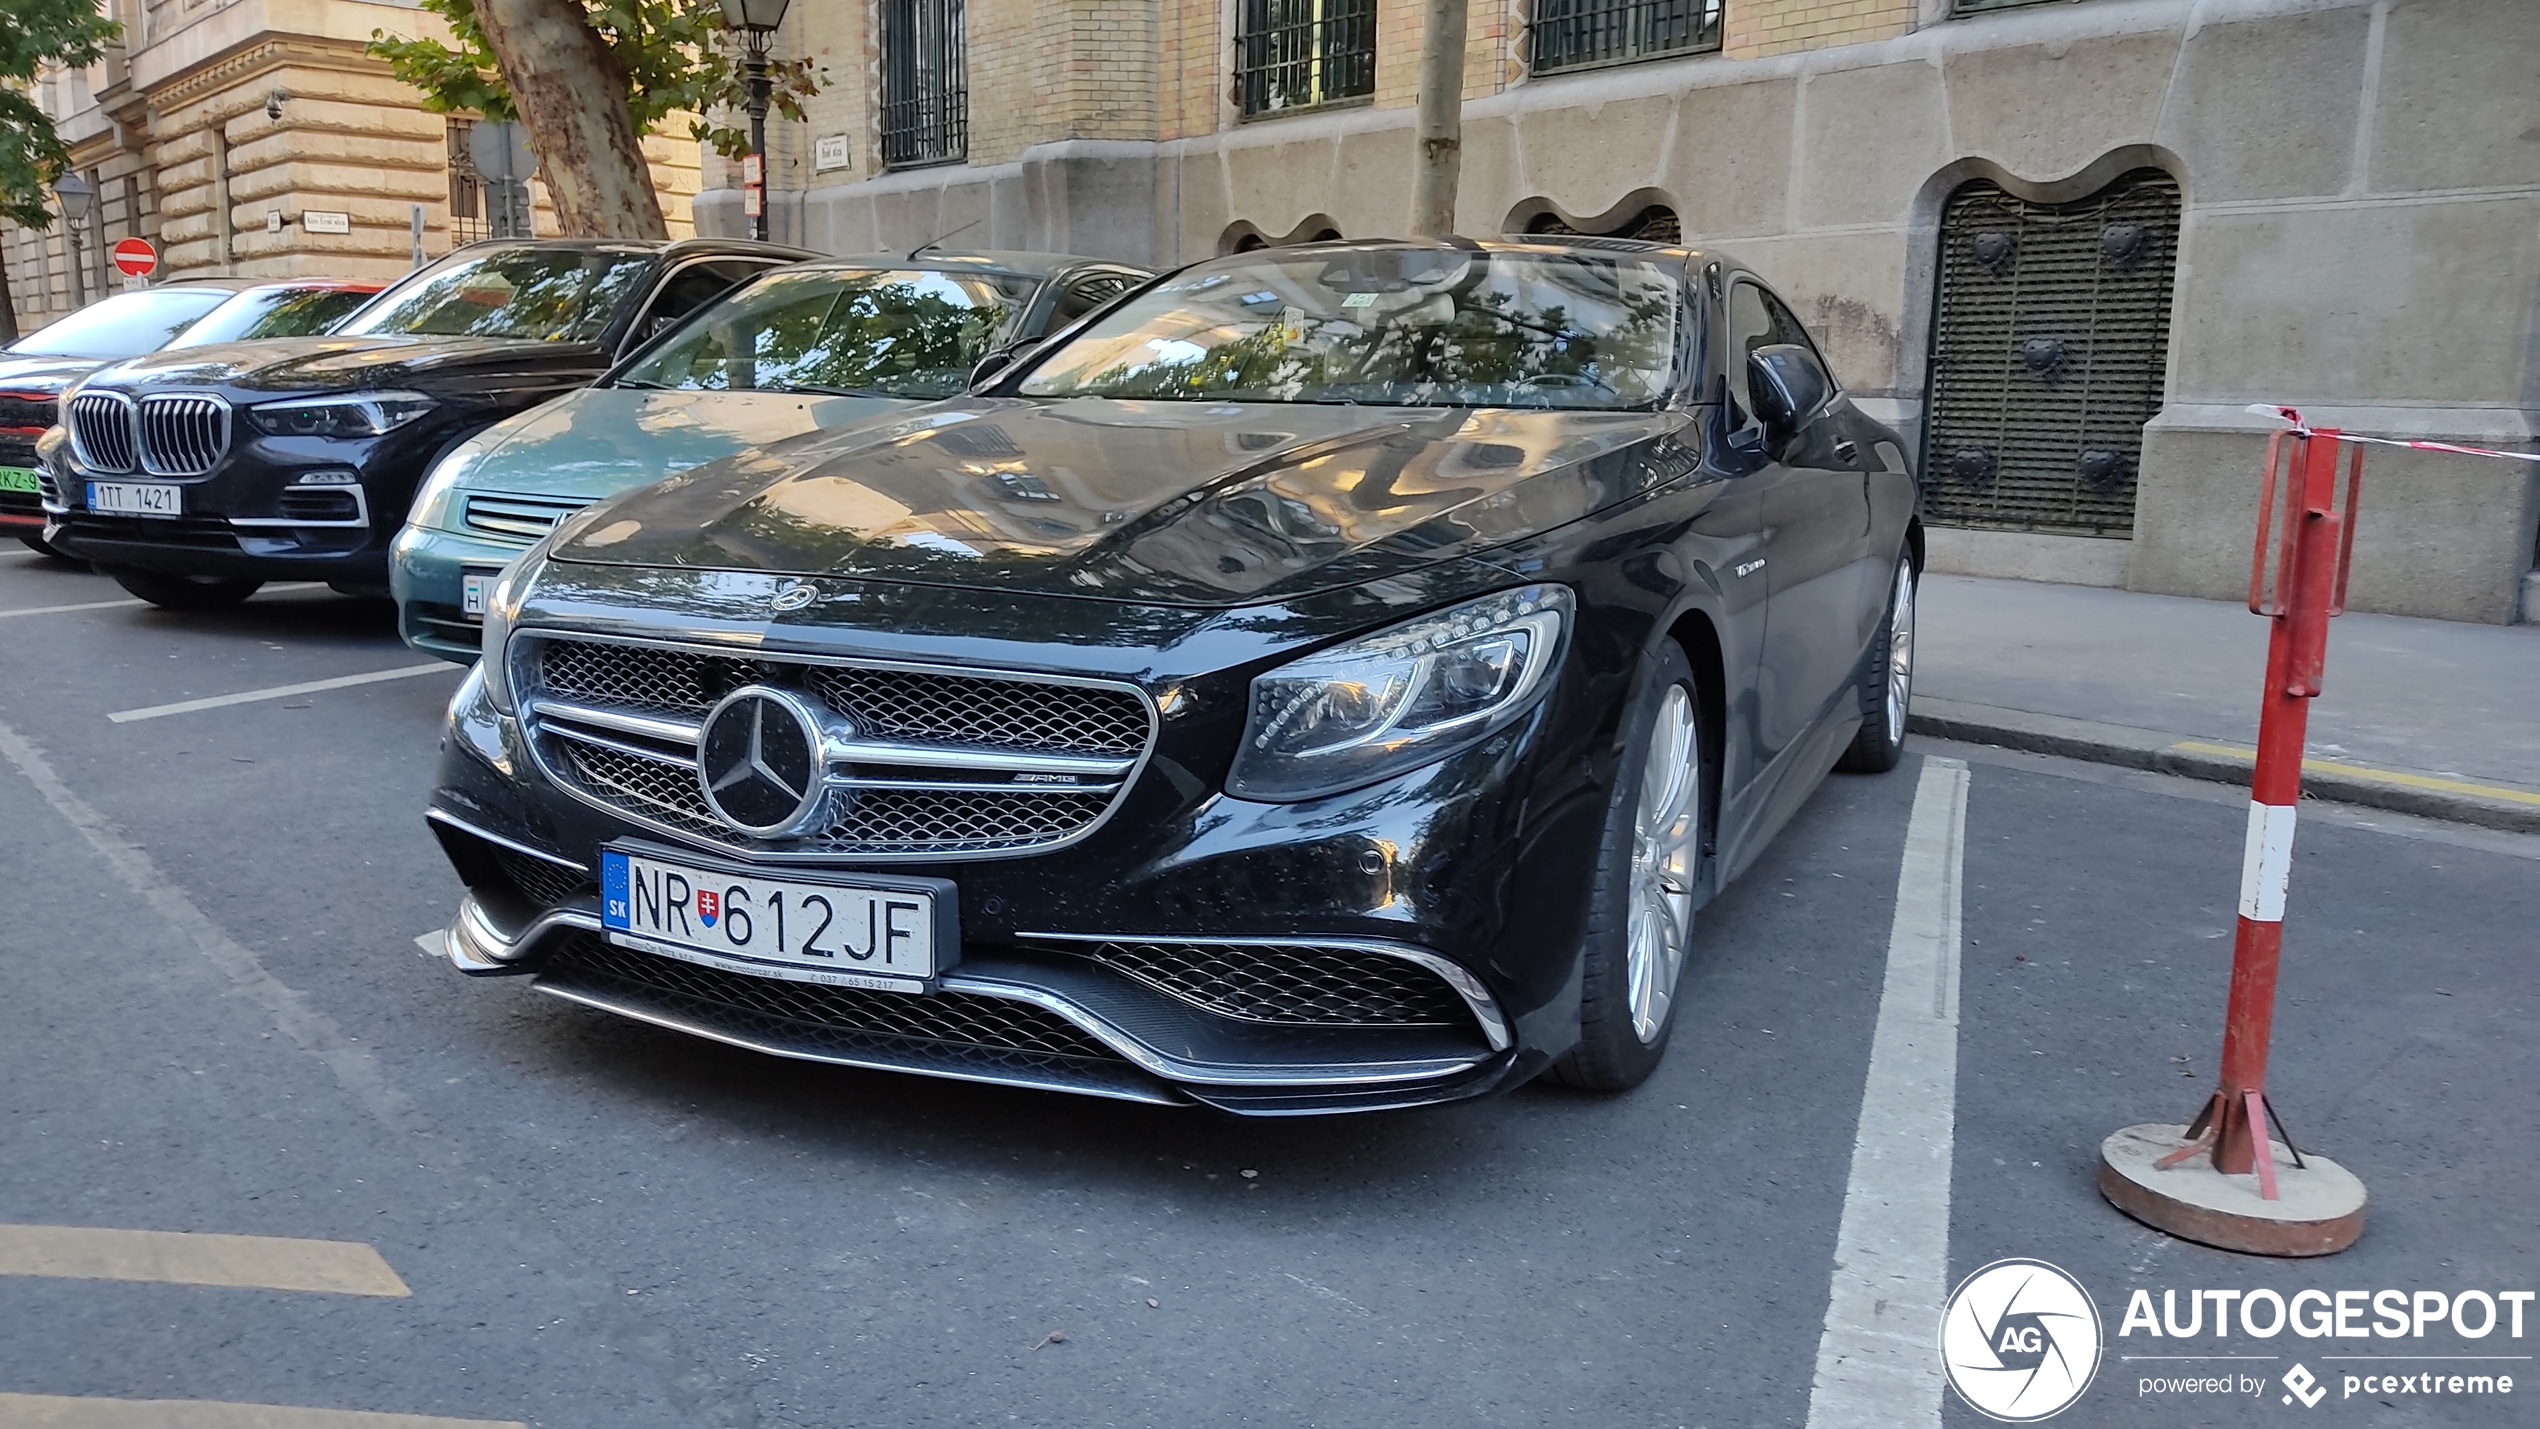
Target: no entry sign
<point>135,258</point>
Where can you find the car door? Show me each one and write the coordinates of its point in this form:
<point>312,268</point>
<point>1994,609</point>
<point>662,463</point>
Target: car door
<point>1811,511</point>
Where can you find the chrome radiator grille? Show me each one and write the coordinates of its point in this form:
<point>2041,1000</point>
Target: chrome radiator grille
<point>175,435</point>
<point>936,764</point>
<point>183,436</point>
<point>101,432</point>
<point>515,520</point>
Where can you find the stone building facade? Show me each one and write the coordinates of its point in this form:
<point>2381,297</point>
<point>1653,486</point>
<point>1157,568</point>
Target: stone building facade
<point>2065,244</point>
<point>217,124</point>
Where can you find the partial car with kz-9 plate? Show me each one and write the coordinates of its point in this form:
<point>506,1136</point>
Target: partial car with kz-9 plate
<point>818,347</point>
<point>193,476</point>
<point>1333,678</point>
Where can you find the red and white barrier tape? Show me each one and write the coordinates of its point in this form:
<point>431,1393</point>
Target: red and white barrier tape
<point>2294,419</point>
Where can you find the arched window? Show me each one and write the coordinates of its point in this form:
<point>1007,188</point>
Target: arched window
<point>1656,223</point>
<point>2048,346</point>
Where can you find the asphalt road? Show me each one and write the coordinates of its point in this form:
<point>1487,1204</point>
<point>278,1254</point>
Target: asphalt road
<point>214,1018</point>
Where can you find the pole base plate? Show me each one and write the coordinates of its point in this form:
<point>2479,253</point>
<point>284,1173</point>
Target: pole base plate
<point>2319,1209</point>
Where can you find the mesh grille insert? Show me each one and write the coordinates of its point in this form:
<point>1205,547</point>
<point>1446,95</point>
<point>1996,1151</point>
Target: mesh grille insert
<point>1298,984</point>
<point>543,883</point>
<point>962,1019</point>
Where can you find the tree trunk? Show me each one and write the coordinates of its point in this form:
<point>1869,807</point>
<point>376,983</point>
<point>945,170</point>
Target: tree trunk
<point>571,97</point>
<point>8,300</point>
<point>1441,156</point>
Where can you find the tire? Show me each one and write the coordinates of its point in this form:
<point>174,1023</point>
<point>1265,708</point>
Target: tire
<point>1887,683</point>
<point>171,591</point>
<point>1644,887</point>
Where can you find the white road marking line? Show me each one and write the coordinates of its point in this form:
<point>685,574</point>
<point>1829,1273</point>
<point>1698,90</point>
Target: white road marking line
<point>1878,1363</point>
<point>246,697</point>
<point>59,609</point>
<point>188,1258</point>
<point>354,1068</point>
<point>53,1411</point>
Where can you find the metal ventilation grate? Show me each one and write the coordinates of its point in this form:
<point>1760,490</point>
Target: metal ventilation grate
<point>2047,353</point>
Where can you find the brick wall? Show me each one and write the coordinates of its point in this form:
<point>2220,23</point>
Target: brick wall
<point>1754,28</point>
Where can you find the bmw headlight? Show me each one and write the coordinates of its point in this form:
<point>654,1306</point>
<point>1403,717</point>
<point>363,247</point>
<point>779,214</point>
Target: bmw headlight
<point>1374,707</point>
<point>502,607</point>
<point>352,414</point>
<point>432,499</point>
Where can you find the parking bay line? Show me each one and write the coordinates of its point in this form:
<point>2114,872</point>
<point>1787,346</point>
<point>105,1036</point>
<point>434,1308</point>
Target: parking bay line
<point>1878,1362</point>
<point>53,1411</point>
<point>194,1258</point>
<point>307,687</point>
<point>63,609</point>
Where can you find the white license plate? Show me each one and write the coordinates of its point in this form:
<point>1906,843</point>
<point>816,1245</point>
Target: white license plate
<point>873,932</point>
<point>474,586</point>
<point>136,498</point>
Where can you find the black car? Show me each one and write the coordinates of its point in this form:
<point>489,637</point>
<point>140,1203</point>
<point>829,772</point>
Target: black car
<point>1330,678</point>
<point>195,475</point>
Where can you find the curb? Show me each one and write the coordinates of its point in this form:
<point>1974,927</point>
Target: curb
<point>2431,796</point>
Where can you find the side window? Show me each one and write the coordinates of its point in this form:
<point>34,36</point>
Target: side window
<point>689,289</point>
<point>1082,295</point>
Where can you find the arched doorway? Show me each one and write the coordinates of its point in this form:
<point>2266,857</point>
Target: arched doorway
<point>2050,335</point>
<point>1656,223</point>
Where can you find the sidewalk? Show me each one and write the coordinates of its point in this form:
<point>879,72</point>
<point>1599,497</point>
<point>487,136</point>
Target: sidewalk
<point>2425,716</point>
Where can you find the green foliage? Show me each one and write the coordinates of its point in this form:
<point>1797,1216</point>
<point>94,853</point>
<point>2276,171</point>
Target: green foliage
<point>34,33</point>
<point>674,54</point>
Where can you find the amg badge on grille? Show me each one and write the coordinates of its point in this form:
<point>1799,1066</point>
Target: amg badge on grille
<point>759,760</point>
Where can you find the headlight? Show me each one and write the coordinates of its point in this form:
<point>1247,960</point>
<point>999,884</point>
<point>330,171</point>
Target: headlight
<point>1392,701</point>
<point>432,499</point>
<point>354,414</point>
<point>502,607</point>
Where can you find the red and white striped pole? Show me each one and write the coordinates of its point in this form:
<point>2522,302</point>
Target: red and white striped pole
<point>2142,1169</point>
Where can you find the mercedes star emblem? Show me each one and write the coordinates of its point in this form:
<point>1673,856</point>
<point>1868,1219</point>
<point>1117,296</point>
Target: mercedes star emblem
<point>759,760</point>
<point>793,597</point>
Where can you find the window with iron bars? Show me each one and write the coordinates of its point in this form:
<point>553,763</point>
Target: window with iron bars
<point>467,191</point>
<point>1575,34</point>
<point>925,83</point>
<point>1293,54</point>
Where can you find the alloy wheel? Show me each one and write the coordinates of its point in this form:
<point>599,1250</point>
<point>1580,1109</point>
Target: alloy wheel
<point>1665,831</point>
<point>1900,653</point>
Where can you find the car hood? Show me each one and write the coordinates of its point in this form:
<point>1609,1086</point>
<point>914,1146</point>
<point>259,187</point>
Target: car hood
<point>603,440</point>
<point>45,375</point>
<point>1154,502</point>
<point>342,364</point>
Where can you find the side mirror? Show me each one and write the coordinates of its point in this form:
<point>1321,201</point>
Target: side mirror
<point>1788,386</point>
<point>998,361</point>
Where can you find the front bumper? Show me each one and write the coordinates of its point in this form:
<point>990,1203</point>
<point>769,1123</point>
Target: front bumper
<point>426,573</point>
<point>1425,881</point>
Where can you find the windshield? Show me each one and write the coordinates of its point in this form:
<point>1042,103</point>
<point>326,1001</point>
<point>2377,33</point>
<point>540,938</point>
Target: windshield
<point>544,294</point>
<point>1397,326</point>
<point>274,312</point>
<point>125,325</point>
<point>912,333</point>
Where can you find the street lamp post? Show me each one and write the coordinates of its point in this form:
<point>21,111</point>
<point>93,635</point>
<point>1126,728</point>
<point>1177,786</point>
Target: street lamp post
<point>756,20</point>
<point>78,199</point>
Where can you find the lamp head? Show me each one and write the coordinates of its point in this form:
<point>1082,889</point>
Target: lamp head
<point>78,197</point>
<point>759,15</point>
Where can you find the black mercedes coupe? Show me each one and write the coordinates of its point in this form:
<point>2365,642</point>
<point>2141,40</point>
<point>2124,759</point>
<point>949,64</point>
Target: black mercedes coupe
<point>195,475</point>
<point>1328,678</point>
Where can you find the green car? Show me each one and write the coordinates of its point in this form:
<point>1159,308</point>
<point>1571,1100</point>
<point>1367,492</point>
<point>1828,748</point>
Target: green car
<point>817,347</point>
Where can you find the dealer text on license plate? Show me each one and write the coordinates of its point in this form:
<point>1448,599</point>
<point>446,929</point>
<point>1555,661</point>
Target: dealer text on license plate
<point>136,498</point>
<point>881,937</point>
